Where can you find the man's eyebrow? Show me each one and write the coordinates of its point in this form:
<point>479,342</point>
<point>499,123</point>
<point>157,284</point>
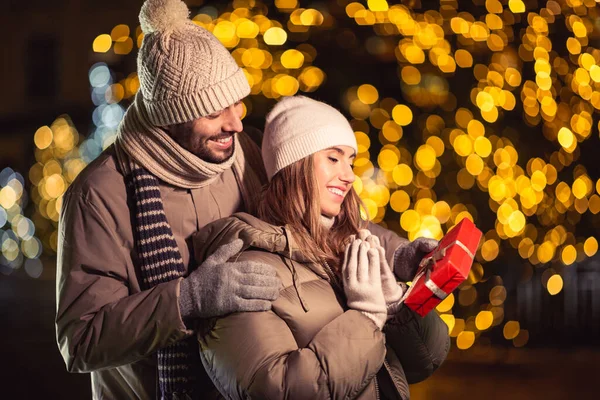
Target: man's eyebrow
<point>219,112</point>
<point>215,114</point>
<point>341,152</point>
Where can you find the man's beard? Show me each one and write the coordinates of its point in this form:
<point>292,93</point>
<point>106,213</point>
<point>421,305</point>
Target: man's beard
<point>184,136</point>
<point>203,152</point>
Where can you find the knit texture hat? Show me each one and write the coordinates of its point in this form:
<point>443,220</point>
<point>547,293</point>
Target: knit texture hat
<point>298,127</point>
<point>185,73</point>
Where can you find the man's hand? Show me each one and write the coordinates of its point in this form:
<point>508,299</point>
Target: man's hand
<point>219,287</point>
<point>408,257</point>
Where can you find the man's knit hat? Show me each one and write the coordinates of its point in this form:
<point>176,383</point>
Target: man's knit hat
<point>185,72</point>
<point>298,127</point>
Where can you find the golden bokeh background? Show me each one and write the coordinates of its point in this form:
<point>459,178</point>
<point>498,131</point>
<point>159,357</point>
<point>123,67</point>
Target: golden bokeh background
<point>486,110</point>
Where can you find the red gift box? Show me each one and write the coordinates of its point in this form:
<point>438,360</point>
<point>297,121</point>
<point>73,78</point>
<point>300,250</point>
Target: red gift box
<point>442,270</point>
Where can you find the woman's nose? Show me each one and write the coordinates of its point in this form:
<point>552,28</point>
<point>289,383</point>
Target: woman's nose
<point>347,174</point>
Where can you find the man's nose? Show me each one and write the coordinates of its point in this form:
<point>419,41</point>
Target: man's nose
<point>233,121</point>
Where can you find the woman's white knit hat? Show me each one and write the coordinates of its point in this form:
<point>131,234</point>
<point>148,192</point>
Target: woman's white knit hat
<point>185,72</point>
<point>297,127</point>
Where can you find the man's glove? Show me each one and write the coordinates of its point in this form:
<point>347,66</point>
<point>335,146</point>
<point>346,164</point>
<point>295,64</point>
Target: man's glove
<point>392,290</point>
<point>408,257</point>
<point>218,287</point>
<point>362,281</point>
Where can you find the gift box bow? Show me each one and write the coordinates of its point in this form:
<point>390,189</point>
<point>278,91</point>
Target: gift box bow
<point>427,263</point>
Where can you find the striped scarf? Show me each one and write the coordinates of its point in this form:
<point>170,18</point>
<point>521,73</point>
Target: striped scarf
<point>178,363</point>
<point>147,154</point>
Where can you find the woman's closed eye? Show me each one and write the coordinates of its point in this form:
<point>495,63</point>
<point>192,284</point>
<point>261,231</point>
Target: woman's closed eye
<point>333,159</point>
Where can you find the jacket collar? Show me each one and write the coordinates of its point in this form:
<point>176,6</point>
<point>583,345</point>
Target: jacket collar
<point>254,232</point>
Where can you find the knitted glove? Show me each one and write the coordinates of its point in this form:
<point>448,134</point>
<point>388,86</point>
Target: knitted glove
<point>362,281</point>
<point>218,287</point>
<point>392,290</point>
<point>408,257</point>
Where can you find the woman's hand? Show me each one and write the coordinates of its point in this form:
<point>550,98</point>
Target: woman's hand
<point>361,275</point>
<point>392,290</point>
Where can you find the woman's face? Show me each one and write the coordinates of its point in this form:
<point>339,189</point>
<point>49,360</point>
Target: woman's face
<point>333,170</point>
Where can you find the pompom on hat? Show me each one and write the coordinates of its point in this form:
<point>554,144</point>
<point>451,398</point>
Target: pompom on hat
<point>163,15</point>
<point>297,127</point>
<point>185,73</point>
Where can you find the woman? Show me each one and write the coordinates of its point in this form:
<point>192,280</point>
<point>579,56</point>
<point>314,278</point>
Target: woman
<point>324,337</point>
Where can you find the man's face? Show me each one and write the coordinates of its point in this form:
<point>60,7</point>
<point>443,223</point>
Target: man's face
<point>210,138</point>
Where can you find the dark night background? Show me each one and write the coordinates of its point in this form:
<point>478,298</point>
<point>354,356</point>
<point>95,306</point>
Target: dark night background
<point>47,57</point>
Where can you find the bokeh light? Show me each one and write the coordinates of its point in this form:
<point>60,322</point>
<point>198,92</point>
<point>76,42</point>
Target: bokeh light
<point>18,242</point>
<point>484,116</point>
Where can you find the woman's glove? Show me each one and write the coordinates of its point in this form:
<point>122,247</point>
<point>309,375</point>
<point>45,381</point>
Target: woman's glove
<point>392,290</point>
<point>361,276</point>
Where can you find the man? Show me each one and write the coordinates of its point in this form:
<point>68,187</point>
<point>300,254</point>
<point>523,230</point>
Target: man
<point>126,295</point>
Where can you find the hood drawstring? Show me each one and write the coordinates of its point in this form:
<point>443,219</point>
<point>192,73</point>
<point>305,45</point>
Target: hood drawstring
<point>292,269</point>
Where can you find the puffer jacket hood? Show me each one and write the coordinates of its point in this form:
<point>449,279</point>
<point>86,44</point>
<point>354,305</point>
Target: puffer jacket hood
<point>256,234</point>
<point>252,231</point>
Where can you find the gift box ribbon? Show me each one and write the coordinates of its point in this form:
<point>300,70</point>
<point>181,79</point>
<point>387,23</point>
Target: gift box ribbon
<point>428,262</point>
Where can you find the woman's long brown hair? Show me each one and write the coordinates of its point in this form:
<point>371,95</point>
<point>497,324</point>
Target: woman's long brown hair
<point>292,198</point>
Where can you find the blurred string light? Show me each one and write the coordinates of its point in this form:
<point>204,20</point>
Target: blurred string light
<point>119,40</point>
<point>58,162</point>
<point>537,202</point>
<point>61,153</point>
<point>536,212</point>
<point>273,66</point>
<point>106,95</point>
<point>19,247</point>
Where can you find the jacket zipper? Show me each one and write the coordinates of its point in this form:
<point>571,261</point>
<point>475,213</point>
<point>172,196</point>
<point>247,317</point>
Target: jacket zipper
<point>389,371</point>
<point>332,277</point>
